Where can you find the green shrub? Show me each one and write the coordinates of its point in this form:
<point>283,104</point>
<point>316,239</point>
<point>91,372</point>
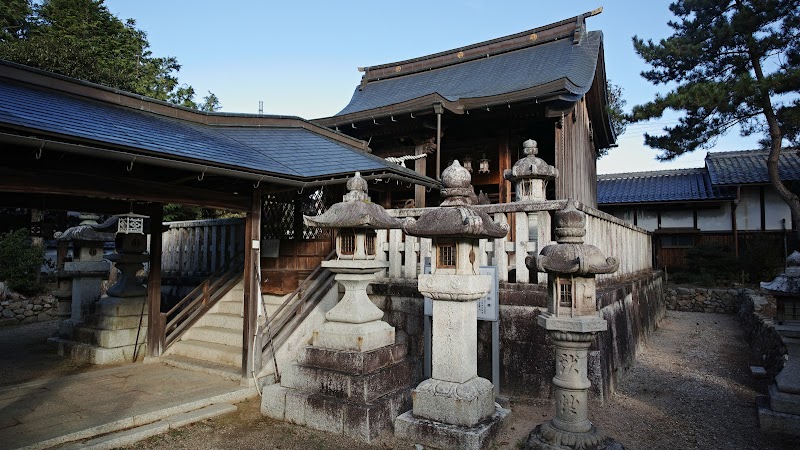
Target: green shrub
<point>709,265</point>
<point>20,262</point>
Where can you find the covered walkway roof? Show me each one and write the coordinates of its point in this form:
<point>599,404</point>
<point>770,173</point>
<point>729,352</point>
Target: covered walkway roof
<point>42,113</point>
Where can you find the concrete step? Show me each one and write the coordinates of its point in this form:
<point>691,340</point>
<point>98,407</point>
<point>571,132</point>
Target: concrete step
<point>198,365</point>
<point>230,307</point>
<point>220,320</point>
<point>216,335</point>
<point>217,353</point>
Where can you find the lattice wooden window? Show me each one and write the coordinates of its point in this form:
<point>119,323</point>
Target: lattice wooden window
<point>446,255</point>
<point>347,239</point>
<point>371,235</point>
<point>565,293</point>
<point>283,214</point>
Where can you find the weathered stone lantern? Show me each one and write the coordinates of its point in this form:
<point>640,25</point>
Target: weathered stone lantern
<point>130,244</point>
<point>571,320</point>
<point>454,408</point>
<point>353,379</point>
<point>530,174</point>
<point>354,323</point>
<point>783,412</point>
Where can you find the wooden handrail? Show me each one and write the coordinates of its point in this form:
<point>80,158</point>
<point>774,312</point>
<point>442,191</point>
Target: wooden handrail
<point>318,282</point>
<point>230,265</point>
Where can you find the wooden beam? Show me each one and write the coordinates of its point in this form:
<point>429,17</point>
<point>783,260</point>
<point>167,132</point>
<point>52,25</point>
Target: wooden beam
<point>155,322</point>
<point>91,185</point>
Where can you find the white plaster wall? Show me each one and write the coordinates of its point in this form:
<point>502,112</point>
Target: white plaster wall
<point>717,219</point>
<point>677,219</point>
<point>748,213</point>
<point>624,214</point>
<point>647,220</point>
<point>775,209</point>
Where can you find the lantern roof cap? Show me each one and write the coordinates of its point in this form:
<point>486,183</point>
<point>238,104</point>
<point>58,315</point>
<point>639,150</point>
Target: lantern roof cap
<point>570,255</point>
<point>356,210</point>
<point>456,217</point>
<point>787,283</point>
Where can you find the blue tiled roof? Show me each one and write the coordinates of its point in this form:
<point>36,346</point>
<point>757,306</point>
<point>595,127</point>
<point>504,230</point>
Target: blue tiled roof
<point>290,151</point>
<point>569,67</point>
<point>659,186</point>
<point>750,166</point>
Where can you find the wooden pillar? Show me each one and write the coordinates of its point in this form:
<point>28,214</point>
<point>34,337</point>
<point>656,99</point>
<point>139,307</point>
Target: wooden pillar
<point>251,289</point>
<point>155,321</point>
<point>421,167</point>
<point>504,162</point>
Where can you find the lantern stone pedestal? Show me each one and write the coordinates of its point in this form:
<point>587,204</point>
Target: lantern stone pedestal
<point>353,379</point>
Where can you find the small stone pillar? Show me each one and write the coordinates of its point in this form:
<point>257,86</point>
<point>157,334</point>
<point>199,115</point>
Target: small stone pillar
<point>571,321</point>
<point>529,176</point>
<point>782,412</point>
<point>353,379</point>
<point>455,408</point>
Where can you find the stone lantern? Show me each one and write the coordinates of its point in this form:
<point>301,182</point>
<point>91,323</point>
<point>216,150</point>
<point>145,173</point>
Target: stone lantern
<point>353,379</point>
<point>530,174</point>
<point>454,408</point>
<point>571,320</point>
<point>354,323</point>
<point>782,414</point>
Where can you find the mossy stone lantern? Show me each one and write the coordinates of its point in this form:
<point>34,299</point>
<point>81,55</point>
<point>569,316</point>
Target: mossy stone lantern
<point>571,321</point>
<point>354,323</point>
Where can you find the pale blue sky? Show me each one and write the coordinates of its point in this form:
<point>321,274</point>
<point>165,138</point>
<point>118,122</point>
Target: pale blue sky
<point>300,57</point>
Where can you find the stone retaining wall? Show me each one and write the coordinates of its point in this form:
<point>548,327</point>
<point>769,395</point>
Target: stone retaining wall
<point>17,309</point>
<point>527,363</point>
<point>723,301</point>
<point>767,347</point>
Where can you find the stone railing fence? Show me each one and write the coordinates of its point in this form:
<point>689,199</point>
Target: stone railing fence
<point>530,229</point>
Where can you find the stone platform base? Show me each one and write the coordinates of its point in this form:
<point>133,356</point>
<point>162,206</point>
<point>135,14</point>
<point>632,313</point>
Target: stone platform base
<point>360,421</point>
<point>543,437</point>
<point>446,436</point>
<point>776,422</point>
<point>98,355</point>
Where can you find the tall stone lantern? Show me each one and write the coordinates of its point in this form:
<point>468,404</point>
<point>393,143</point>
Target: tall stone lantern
<point>355,322</point>
<point>454,408</point>
<point>571,321</point>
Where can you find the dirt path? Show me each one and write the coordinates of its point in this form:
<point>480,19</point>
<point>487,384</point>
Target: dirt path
<point>690,389</point>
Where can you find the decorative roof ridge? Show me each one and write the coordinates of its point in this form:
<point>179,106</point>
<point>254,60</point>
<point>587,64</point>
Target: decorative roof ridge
<point>574,27</point>
<point>733,153</point>
<point>653,173</point>
<point>42,79</point>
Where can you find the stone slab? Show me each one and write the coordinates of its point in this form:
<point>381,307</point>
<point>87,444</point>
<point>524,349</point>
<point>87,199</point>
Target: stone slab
<point>208,412</point>
<point>776,422</point>
<point>118,306</point>
<point>357,388</point>
<point>354,337</point>
<point>112,322</point>
<point>444,436</point>
<point>357,363</point>
<point>454,351</point>
<point>788,380</point>
<point>112,338</point>
<point>783,402</point>
<point>463,404</point>
<point>586,324</point>
<point>121,438</point>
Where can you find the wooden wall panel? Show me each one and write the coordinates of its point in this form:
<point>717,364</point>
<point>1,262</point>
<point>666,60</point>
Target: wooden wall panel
<point>575,157</point>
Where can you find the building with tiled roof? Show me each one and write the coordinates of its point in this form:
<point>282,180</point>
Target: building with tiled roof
<point>483,100</point>
<point>728,201</point>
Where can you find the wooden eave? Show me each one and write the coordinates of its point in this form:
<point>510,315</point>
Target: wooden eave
<point>597,103</point>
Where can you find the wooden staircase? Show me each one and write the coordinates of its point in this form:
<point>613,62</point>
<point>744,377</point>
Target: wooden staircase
<point>209,339</point>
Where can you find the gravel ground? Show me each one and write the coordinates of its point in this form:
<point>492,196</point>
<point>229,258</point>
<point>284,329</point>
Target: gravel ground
<point>690,389</point>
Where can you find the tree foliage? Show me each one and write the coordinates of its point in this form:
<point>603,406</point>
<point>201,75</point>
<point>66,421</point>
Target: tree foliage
<point>727,63</point>
<point>616,105</point>
<point>22,262</point>
<point>83,39</point>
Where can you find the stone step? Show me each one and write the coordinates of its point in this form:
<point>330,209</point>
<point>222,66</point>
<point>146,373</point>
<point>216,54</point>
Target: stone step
<point>220,320</point>
<point>199,365</point>
<point>217,353</point>
<point>97,355</point>
<point>230,307</point>
<point>214,335</point>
